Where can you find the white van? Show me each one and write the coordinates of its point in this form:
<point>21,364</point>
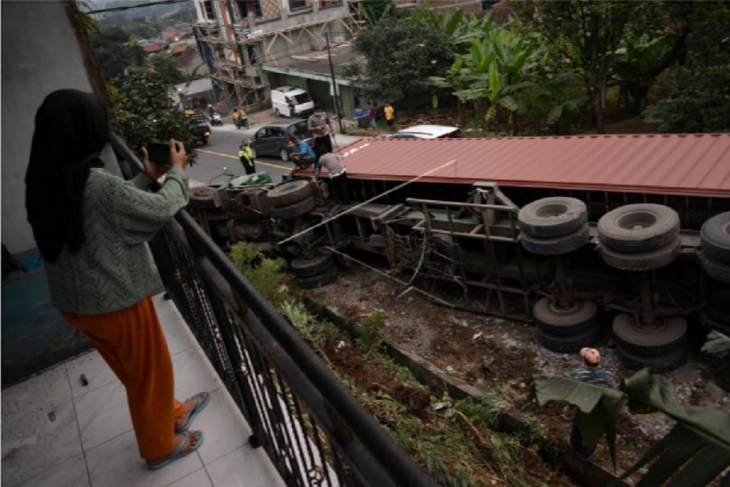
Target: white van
<point>291,102</point>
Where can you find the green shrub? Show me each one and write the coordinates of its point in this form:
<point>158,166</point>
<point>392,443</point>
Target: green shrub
<point>369,337</point>
<point>698,102</point>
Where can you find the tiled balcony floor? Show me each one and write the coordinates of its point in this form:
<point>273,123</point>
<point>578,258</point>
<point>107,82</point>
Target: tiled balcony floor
<point>58,433</point>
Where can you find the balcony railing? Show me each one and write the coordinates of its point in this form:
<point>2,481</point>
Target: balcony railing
<point>312,428</point>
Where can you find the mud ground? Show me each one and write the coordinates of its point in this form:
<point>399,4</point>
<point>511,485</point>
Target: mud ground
<point>499,355</point>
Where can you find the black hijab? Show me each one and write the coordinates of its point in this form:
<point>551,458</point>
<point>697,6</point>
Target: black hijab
<point>71,129</point>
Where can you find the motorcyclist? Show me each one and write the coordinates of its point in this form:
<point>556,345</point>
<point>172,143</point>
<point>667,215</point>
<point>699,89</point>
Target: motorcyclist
<point>239,118</point>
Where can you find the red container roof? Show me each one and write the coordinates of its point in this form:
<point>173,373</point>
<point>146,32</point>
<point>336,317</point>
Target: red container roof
<point>682,164</point>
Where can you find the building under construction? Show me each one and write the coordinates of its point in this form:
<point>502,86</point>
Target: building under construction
<point>250,45</point>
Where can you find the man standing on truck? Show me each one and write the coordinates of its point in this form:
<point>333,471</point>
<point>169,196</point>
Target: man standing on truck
<point>245,155</point>
<point>590,373</point>
<point>338,176</point>
<point>320,127</point>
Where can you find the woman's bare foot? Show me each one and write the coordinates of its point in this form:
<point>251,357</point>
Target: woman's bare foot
<point>189,405</point>
<point>192,442</point>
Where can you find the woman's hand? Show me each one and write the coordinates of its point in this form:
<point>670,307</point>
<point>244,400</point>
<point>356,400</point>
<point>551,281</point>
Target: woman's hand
<point>151,170</point>
<point>178,156</point>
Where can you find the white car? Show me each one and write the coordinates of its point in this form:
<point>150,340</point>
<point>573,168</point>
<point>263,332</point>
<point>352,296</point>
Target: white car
<point>428,132</point>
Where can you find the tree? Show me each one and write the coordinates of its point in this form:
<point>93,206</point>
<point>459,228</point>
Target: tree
<point>641,62</point>
<point>586,33</point>
<point>495,69</point>
<point>165,65</point>
<point>376,11</point>
<point>696,450</point>
<point>400,59</point>
<point>146,112</point>
<point>697,101</point>
<point>115,53</point>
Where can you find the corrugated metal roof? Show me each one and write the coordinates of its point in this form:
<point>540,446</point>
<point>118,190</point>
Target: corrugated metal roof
<point>687,164</point>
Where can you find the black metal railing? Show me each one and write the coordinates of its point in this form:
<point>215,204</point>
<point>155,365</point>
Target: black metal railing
<point>313,430</point>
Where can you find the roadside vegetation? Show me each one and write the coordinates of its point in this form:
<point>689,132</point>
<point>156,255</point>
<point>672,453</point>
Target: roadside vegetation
<point>557,67</point>
<point>454,441</point>
<point>457,442</point>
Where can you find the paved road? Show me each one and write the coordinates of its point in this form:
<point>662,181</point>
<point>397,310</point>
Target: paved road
<point>222,152</point>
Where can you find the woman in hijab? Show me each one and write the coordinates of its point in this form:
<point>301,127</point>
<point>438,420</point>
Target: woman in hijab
<point>91,228</point>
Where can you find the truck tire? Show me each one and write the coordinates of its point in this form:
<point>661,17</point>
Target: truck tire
<point>311,282</point>
<point>715,238</point>
<point>292,211</point>
<point>303,267</point>
<point>558,245</point>
<point>715,269</point>
<point>202,197</point>
<point>552,217</point>
<point>661,363</point>
<point>671,337</point>
<point>639,228</point>
<point>580,319</point>
<point>642,262</point>
<point>289,193</point>
<point>284,155</point>
<point>569,344</point>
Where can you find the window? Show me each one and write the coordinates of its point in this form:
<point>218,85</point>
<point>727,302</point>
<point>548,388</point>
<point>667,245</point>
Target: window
<point>302,98</point>
<point>208,8</point>
<point>242,10</point>
<point>245,5</point>
<point>328,3</point>
<point>298,5</point>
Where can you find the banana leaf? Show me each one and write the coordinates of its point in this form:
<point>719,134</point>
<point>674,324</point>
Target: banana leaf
<point>598,407</point>
<point>696,451</point>
<point>716,343</point>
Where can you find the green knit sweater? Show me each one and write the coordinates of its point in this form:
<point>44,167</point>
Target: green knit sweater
<point>114,269</point>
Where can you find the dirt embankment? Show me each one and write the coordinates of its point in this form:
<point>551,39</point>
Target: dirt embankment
<point>501,356</point>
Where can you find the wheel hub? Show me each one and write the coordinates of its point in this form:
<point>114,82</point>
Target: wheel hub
<point>657,325</point>
<point>565,308</point>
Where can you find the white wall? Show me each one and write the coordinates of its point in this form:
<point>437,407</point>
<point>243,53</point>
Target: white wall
<point>40,54</point>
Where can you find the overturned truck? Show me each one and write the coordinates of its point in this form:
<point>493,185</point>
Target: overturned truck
<point>577,234</point>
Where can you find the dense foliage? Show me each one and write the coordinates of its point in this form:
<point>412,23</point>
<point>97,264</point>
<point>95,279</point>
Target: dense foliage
<point>556,65</point>
<point>401,57</point>
<point>145,112</point>
<point>697,101</point>
<point>115,52</point>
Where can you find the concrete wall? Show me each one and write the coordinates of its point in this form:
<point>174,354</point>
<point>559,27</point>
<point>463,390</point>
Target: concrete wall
<point>40,54</point>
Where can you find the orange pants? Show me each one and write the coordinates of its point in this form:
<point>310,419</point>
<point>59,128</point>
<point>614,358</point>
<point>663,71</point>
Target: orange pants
<point>131,341</point>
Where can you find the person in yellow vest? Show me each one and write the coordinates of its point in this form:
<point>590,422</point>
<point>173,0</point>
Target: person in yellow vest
<point>389,116</point>
<point>245,155</point>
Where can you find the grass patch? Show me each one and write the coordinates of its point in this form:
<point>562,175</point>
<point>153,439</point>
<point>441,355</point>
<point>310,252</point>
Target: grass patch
<point>455,445</point>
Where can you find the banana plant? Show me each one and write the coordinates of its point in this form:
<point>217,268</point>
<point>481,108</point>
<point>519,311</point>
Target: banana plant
<point>696,450</point>
<point>497,68</point>
<point>641,61</point>
<point>453,81</point>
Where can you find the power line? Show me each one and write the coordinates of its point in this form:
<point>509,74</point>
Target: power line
<point>129,7</point>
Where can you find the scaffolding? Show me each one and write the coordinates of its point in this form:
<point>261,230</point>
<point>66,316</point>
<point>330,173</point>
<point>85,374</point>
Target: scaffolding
<point>239,51</point>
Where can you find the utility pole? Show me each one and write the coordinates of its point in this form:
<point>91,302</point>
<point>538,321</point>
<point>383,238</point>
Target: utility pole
<point>334,84</point>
